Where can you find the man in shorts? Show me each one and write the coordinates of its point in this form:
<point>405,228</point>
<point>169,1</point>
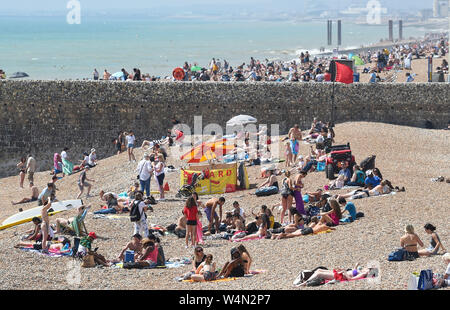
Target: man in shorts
<point>210,210</point>
<point>31,168</point>
<point>34,196</point>
<point>82,183</point>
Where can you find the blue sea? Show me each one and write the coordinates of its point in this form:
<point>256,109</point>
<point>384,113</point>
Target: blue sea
<point>50,48</point>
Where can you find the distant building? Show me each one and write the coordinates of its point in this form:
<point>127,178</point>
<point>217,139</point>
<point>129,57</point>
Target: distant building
<point>426,14</point>
<point>440,8</point>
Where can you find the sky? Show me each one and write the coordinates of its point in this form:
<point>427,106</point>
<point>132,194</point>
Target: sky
<point>37,6</point>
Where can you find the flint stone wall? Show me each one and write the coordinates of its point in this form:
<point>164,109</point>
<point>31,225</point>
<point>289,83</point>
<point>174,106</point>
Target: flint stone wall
<point>43,117</point>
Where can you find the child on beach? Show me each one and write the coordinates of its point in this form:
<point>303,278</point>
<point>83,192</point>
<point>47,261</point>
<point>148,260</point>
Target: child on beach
<point>288,153</point>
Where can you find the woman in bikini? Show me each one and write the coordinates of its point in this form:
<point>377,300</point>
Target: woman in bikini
<point>340,274</point>
<point>206,271</point>
<point>385,187</point>
<point>410,240</point>
<point>246,259</point>
<point>287,196</point>
<point>22,166</point>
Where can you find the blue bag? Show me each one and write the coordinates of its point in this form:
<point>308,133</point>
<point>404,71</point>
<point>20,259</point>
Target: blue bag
<point>266,191</point>
<point>397,256</point>
<point>425,280</point>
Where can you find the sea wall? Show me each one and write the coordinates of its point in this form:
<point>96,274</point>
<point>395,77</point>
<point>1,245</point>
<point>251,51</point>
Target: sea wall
<point>43,117</point>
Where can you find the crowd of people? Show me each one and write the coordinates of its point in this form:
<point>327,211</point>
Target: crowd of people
<point>306,68</point>
<point>298,212</point>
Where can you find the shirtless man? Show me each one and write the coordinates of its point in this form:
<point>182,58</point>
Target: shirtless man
<point>181,223</point>
<point>34,196</point>
<point>296,132</point>
<point>134,245</point>
<point>210,210</point>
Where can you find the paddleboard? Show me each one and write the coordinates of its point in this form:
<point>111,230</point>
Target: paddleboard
<point>27,215</point>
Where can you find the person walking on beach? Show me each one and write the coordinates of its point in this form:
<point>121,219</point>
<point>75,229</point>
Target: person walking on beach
<point>158,166</point>
<point>30,169</point>
<point>96,75</point>
<point>140,222</point>
<point>82,183</point>
<point>130,145</point>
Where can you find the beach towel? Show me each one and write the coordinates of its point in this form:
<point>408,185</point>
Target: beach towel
<point>218,280</point>
<point>199,232</point>
<point>254,238</point>
<point>67,167</point>
<point>51,253</point>
<point>295,146</point>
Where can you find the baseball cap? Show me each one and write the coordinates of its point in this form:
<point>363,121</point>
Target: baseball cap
<point>92,235</point>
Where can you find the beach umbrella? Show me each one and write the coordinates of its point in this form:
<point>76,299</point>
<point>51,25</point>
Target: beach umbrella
<point>241,120</point>
<point>18,75</point>
<point>208,151</point>
<point>196,68</point>
<point>358,61</point>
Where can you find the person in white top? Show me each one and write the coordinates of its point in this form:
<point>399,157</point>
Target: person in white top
<point>92,159</point>
<point>130,145</point>
<point>141,225</point>
<point>159,166</point>
<point>145,170</point>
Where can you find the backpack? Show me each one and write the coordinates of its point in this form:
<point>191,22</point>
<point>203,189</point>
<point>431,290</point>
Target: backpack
<point>135,215</point>
<point>397,256</point>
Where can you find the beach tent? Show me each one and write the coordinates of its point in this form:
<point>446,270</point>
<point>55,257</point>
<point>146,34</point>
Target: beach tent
<point>219,178</point>
<point>358,61</point>
<point>241,120</point>
<point>208,151</point>
<point>18,75</point>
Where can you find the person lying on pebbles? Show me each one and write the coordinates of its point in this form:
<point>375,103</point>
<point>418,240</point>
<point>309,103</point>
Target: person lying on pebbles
<point>313,227</point>
<point>340,274</point>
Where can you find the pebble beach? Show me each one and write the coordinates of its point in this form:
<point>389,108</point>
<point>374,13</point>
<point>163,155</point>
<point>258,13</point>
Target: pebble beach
<point>407,156</point>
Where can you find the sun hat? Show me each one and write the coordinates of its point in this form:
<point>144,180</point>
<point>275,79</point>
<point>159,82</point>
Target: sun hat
<point>92,150</point>
<point>92,235</point>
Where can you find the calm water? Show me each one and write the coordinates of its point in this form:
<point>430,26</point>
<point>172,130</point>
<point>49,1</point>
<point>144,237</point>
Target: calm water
<point>49,48</point>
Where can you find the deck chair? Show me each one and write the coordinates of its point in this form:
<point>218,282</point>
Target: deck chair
<point>77,227</point>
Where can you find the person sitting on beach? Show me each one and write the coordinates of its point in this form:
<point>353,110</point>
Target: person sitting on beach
<point>340,274</point>
<point>371,180</point>
<point>296,225</point>
<point>210,210</point>
<point>239,210</point>
<point>348,207</point>
<point>314,196</point>
<point>376,172</point>
<point>445,281</point>
<point>262,230</point>
<point>435,243</point>
<point>62,224</point>
<point>113,205</point>
<point>234,268</point>
<point>150,256</point>
<point>410,240</point>
<point>206,271</point>
<point>331,218</point>
<point>199,257</point>
<point>358,177</point>
<point>271,179</point>
<point>35,233</point>
<point>236,223</point>
<point>180,229</point>
<point>34,196</point>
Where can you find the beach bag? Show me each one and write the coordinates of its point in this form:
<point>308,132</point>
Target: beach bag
<point>135,215</point>
<point>313,211</point>
<point>425,280</point>
<point>266,191</point>
<point>320,166</point>
<point>368,163</point>
<point>397,256</point>
<point>413,282</point>
<point>88,261</point>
